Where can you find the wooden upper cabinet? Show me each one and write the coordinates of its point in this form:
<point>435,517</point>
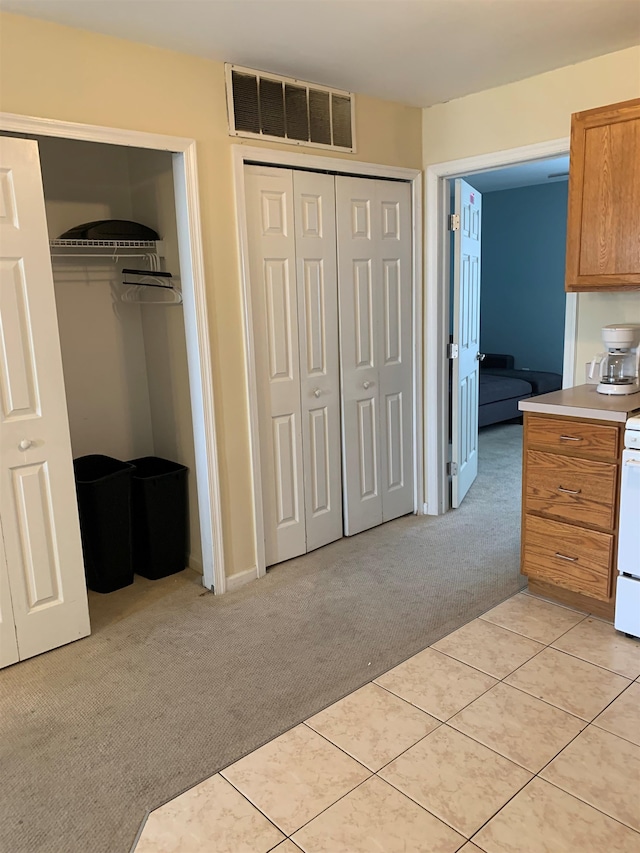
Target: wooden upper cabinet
<point>603,228</point>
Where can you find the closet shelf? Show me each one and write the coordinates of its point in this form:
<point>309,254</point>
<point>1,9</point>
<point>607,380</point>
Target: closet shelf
<point>106,248</point>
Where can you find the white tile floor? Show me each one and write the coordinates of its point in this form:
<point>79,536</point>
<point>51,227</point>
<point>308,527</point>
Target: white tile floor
<point>520,731</point>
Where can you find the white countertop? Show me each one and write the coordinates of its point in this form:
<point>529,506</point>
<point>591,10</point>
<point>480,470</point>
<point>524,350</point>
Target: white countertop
<point>583,401</point>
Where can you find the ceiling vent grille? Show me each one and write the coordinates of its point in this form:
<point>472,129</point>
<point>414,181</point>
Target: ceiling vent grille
<point>265,106</point>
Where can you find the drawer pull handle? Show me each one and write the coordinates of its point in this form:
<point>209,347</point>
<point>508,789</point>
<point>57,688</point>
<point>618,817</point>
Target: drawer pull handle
<point>564,557</point>
<point>570,438</point>
<point>569,491</point>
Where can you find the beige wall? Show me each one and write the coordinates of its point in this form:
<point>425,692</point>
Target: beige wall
<point>536,110</point>
<point>532,110</point>
<point>596,310</point>
<point>67,74</point>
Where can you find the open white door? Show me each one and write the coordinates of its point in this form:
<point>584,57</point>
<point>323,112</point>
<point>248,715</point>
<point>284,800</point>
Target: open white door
<point>38,498</point>
<point>466,340</point>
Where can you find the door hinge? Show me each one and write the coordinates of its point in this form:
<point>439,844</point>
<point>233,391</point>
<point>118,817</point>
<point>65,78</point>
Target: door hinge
<point>452,351</point>
<point>454,222</point>
<point>452,468</point>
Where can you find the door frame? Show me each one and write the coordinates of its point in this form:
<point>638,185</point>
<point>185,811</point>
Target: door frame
<point>242,154</point>
<point>185,176</point>
<point>436,306</point>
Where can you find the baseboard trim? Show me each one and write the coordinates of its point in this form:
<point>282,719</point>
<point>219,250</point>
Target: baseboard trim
<point>576,600</point>
<point>241,578</point>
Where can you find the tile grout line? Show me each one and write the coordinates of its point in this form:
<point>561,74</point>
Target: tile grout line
<point>326,808</point>
<point>258,809</point>
<point>591,806</point>
<point>375,773</point>
<point>535,775</point>
<point>442,820</point>
<point>577,657</point>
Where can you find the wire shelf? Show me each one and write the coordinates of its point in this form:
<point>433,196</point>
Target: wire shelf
<point>105,248</point>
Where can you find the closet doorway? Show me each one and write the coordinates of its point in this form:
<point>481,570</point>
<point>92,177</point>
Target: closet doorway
<point>333,337</point>
<point>133,374</point>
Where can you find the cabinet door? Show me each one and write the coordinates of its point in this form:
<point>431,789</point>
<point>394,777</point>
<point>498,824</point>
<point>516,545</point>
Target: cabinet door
<point>603,249</point>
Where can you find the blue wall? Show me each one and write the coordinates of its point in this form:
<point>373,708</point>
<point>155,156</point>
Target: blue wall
<point>522,291</point>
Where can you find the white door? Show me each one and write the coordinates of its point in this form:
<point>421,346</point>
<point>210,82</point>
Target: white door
<point>374,283</point>
<point>466,337</point>
<point>317,290</point>
<point>393,200</point>
<point>8,640</point>
<point>272,252</point>
<point>38,499</point>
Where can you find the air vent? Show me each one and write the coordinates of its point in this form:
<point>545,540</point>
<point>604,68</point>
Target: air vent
<point>265,106</point>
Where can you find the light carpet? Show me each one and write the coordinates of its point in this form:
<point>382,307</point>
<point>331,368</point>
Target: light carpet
<point>174,684</point>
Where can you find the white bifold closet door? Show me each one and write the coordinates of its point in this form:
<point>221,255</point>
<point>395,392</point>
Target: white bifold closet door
<point>43,596</point>
<point>374,274</point>
<point>291,229</point>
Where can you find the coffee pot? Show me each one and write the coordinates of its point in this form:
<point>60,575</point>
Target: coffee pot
<point>618,368</point>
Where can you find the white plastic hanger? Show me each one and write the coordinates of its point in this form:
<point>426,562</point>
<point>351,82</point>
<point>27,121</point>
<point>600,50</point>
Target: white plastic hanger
<point>150,287</point>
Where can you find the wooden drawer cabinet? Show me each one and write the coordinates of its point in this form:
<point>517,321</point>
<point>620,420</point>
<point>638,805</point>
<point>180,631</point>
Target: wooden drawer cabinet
<point>603,251</point>
<point>571,475</point>
<point>571,489</point>
<point>572,435</point>
<point>568,556</point>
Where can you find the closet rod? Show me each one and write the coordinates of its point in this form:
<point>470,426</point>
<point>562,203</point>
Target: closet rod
<point>149,274</point>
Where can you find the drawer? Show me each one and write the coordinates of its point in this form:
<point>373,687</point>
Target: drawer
<point>568,556</point>
<point>569,436</point>
<point>570,488</point>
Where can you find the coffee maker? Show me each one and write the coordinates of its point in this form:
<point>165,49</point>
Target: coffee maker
<point>619,366</point>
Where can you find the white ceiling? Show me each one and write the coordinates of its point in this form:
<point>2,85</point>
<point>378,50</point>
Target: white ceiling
<point>419,52</point>
<point>521,175</point>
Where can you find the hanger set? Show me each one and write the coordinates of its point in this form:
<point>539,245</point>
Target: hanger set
<point>150,287</point>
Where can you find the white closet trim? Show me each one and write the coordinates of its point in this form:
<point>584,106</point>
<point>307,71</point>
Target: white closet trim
<point>293,160</point>
<point>185,171</point>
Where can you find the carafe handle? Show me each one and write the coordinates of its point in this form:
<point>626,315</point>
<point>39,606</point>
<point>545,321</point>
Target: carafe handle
<point>597,359</point>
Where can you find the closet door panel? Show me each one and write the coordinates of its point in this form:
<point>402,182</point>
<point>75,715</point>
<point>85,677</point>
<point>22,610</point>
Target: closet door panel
<point>315,227</point>
<point>360,301</point>
<point>38,505</point>
<point>395,347</point>
<point>270,220</point>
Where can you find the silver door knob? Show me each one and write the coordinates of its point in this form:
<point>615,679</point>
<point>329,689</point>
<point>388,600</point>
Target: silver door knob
<point>25,444</point>
<point>366,385</point>
<point>317,392</point>
<point>480,356</point>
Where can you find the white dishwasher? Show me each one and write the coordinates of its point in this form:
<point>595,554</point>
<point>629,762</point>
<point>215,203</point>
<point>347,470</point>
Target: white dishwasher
<point>627,616</point>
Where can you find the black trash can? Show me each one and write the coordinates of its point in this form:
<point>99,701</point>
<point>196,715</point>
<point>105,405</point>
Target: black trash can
<point>103,486</point>
<point>159,494</point>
